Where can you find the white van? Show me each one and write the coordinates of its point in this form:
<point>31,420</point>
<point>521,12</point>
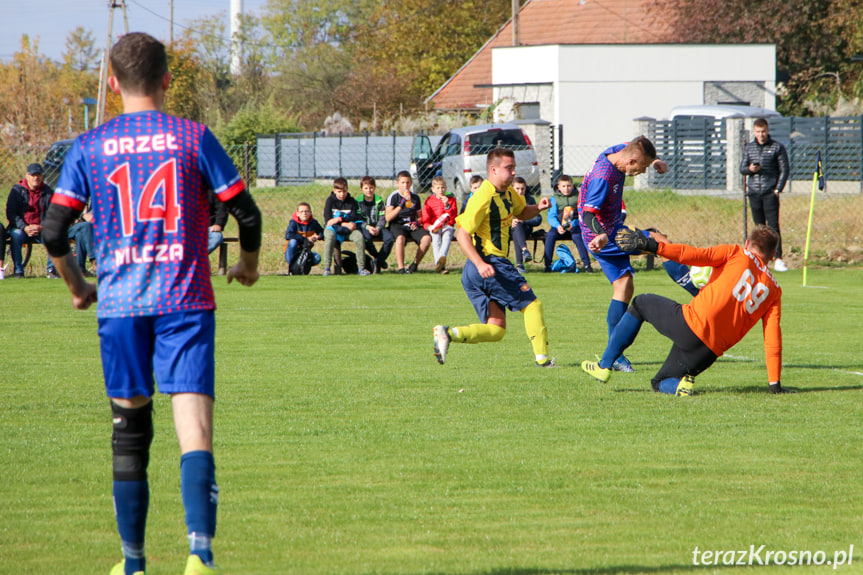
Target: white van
<point>720,111</point>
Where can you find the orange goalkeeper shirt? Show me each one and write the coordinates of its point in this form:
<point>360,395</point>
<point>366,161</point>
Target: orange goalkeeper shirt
<point>740,292</point>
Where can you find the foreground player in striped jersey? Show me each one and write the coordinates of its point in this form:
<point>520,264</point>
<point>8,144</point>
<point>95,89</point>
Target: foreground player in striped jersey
<point>741,291</point>
<point>147,175</point>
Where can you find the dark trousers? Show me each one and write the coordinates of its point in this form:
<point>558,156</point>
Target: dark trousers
<point>386,246</point>
<point>574,233</point>
<point>519,239</point>
<point>765,210</point>
<point>688,355</point>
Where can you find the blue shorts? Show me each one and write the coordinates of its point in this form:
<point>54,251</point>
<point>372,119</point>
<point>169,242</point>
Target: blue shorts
<point>614,261</point>
<point>177,348</point>
<point>507,287</point>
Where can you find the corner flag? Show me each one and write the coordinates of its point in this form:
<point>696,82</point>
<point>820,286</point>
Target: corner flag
<point>819,173</point>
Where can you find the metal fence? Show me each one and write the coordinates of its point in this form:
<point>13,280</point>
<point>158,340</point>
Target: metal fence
<point>297,158</point>
<point>690,203</point>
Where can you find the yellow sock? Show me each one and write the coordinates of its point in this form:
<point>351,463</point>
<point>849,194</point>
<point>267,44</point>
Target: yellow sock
<point>534,325</point>
<point>477,333</point>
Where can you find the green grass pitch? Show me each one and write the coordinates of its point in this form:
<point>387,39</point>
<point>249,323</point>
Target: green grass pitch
<point>342,447</point>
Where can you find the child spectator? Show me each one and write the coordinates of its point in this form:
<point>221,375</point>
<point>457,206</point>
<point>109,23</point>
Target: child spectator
<point>402,209</point>
<point>438,218</point>
<point>475,183</point>
<point>303,231</point>
<point>563,221</point>
<point>521,229</point>
<point>374,224</point>
<point>341,217</point>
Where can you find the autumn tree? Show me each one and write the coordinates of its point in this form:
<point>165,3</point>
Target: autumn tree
<point>416,45</point>
<point>814,38</point>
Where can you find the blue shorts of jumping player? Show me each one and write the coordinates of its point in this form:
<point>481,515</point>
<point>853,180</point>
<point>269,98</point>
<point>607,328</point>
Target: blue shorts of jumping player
<point>507,287</point>
<point>614,261</point>
<point>178,348</point>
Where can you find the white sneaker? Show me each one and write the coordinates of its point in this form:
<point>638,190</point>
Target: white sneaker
<point>779,266</point>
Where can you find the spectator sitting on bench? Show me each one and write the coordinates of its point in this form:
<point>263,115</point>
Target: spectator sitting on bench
<point>402,211</point>
<point>374,224</point>
<point>218,221</point>
<point>303,230</point>
<point>25,208</point>
<point>522,229</point>
<point>438,218</point>
<point>563,222</point>
<point>341,218</point>
<point>82,234</point>
<point>475,182</point>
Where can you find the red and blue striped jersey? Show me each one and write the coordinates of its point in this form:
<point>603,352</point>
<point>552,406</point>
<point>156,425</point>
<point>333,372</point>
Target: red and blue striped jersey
<point>146,175</point>
<point>601,192</point>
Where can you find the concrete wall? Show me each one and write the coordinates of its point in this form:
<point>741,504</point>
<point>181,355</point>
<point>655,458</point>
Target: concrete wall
<point>597,90</point>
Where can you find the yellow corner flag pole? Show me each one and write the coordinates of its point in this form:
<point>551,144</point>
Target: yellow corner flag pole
<point>809,226</point>
<point>818,180</point>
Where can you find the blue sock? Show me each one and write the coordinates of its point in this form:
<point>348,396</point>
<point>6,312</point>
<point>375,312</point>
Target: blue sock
<point>680,274</point>
<point>131,502</point>
<point>669,385</point>
<point>200,498</point>
<point>616,309</point>
<point>621,338</point>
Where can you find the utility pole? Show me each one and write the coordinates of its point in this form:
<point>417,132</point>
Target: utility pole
<point>103,76</point>
<point>171,34</point>
<point>515,23</point>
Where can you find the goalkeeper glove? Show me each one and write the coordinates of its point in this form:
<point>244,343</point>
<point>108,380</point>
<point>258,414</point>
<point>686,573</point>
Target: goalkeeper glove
<point>630,240</point>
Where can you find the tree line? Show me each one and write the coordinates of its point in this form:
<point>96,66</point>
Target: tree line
<point>375,62</point>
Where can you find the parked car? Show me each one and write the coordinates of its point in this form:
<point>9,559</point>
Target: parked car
<point>462,152</point>
<point>53,163</point>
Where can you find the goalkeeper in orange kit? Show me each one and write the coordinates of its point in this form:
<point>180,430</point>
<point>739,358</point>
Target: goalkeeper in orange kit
<point>741,292</point>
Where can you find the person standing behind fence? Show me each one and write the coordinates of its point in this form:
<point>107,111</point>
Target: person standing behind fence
<point>765,162</point>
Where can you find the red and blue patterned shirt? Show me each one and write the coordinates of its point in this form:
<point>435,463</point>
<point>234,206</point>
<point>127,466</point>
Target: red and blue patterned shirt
<point>601,193</point>
<point>146,175</point>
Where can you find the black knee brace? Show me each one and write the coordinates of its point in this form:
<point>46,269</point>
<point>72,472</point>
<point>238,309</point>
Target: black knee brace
<point>130,442</point>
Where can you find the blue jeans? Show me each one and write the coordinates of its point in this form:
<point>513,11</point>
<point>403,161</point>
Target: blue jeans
<point>18,239</point>
<point>292,251</point>
<point>214,241</point>
<point>82,233</point>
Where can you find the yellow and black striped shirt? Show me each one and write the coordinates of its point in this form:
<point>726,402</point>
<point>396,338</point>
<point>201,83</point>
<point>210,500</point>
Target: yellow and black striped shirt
<point>488,218</point>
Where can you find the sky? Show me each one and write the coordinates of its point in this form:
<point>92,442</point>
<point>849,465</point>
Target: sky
<point>52,20</point>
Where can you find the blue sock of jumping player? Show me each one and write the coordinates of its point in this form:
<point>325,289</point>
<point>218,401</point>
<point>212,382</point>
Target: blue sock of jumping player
<point>680,274</point>
<point>621,338</point>
<point>200,498</point>
<point>669,385</point>
<point>131,501</point>
<point>616,309</point>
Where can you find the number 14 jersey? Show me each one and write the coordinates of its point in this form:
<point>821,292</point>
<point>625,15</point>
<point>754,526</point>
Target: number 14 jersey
<point>146,176</point>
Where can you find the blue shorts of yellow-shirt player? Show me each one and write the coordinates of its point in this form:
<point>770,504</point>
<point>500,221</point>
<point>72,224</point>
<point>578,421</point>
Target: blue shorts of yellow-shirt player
<point>507,287</point>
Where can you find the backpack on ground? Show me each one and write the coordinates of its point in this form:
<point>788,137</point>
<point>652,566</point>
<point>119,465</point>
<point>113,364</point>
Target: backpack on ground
<point>303,262</point>
<point>564,263</point>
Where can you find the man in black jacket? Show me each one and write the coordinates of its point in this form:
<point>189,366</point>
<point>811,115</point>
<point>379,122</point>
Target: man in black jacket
<point>765,161</point>
<point>25,210</point>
